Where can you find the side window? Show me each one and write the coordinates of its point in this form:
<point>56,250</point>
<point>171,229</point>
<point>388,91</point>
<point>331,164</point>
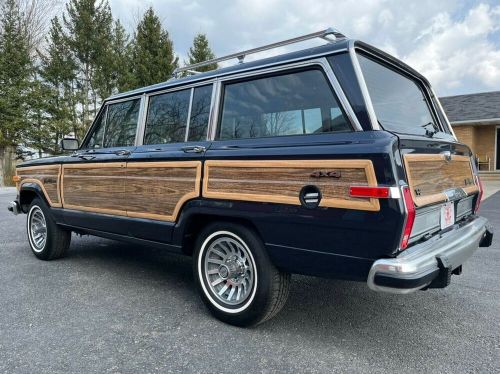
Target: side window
<point>167,117</point>
<point>288,104</point>
<point>95,140</point>
<point>121,124</point>
<point>200,112</point>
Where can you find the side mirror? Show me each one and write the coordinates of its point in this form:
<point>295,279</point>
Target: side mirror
<point>70,144</point>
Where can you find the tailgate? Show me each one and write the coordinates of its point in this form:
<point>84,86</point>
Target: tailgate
<point>435,178</point>
<point>438,174</point>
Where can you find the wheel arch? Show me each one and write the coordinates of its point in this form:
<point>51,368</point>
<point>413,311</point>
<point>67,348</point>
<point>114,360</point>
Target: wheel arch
<point>27,193</point>
<point>192,224</point>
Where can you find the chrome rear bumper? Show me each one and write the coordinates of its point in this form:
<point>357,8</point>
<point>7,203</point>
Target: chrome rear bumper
<point>432,262</point>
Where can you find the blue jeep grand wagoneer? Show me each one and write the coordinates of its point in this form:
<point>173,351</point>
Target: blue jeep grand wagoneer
<point>335,161</point>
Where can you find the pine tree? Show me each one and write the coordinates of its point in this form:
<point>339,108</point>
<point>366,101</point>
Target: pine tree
<point>15,69</point>
<point>201,51</point>
<point>88,26</point>
<point>114,69</point>
<point>54,95</point>
<point>122,75</point>
<point>153,57</point>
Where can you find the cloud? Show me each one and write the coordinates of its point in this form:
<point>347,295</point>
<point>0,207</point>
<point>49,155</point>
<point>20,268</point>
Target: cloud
<point>455,44</point>
<point>454,55</point>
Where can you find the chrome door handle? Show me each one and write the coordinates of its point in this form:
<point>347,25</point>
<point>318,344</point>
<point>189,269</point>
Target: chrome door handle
<point>194,149</point>
<point>122,152</point>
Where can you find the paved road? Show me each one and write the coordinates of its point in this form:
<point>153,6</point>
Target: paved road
<point>111,307</point>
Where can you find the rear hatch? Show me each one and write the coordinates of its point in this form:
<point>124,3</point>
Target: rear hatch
<point>438,170</point>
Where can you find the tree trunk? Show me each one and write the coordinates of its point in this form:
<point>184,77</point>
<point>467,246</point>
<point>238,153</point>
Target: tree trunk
<point>2,156</point>
<point>9,165</point>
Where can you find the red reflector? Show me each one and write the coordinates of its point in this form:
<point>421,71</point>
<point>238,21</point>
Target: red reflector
<point>410,217</point>
<point>481,191</point>
<point>373,192</point>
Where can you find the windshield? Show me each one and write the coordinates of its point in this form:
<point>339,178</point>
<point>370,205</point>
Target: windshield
<point>398,101</point>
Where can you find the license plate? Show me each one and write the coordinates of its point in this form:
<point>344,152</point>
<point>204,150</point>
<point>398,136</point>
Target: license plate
<point>447,215</point>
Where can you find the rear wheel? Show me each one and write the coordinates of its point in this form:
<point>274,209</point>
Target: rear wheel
<point>235,276</point>
<point>47,240</point>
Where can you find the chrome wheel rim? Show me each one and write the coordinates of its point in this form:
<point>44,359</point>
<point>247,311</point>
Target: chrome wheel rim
<point>37,229</point>
<point>229,271</point>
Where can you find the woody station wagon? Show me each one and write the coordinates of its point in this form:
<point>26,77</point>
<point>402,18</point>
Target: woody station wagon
<point>334,161</point>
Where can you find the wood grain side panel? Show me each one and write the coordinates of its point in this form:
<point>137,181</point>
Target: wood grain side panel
<point>430,175</point>
<point>281,181</point>
<point>157,190</point>
<point>47,177</point>
<point>96,187</point>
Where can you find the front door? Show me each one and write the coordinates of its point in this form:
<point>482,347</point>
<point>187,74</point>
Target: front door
<point>93,181</point>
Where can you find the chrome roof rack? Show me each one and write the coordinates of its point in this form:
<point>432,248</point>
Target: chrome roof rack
<point>324,34</point>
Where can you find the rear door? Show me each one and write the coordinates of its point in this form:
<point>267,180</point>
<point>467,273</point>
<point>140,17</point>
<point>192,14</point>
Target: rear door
<point>165,171</point>
<point>439,171</point>
<point>94,179</point>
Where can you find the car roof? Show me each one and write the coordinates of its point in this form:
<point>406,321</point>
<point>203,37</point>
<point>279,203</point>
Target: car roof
<point>331,47</point>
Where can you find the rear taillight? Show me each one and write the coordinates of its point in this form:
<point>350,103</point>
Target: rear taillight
<point>480,196</point>
<point>410,217</point>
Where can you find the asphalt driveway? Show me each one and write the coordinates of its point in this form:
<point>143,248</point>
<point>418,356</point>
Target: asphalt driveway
<point>112,307</point>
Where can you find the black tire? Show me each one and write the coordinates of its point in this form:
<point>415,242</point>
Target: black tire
<point>269,286</point>
<point>57,240</point>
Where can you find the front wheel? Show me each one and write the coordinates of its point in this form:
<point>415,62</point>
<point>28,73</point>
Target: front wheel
<point>47,240</point>
<point>235,276</point>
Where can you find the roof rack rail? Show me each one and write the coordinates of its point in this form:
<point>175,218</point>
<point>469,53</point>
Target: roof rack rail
<point>324,34</point>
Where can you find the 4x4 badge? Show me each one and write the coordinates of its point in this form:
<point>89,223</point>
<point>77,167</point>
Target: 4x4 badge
<point>326,173</point>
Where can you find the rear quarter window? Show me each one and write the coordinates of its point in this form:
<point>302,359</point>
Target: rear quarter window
<point>300,102</point>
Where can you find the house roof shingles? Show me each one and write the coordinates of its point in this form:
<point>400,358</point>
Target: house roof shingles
<point>473,107</point>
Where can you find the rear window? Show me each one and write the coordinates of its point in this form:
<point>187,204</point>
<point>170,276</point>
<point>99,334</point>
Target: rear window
<point>398,101</point>
<point>301,102</point>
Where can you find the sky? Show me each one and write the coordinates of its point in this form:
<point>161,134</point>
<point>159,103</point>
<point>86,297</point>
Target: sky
<point>454,43</point>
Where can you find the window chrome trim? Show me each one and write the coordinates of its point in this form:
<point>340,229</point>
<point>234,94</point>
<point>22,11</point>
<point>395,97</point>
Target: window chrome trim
<point>181,87</point>
<point>322,63</point>
<point>364,88</point>
<point>188,119</point>
<point>111,102</point>
<point>339,92</point>
<point>139,136</point>
<point>214,110</point>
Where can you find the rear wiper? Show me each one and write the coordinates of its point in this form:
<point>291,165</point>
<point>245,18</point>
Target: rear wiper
<point>430,132</point>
